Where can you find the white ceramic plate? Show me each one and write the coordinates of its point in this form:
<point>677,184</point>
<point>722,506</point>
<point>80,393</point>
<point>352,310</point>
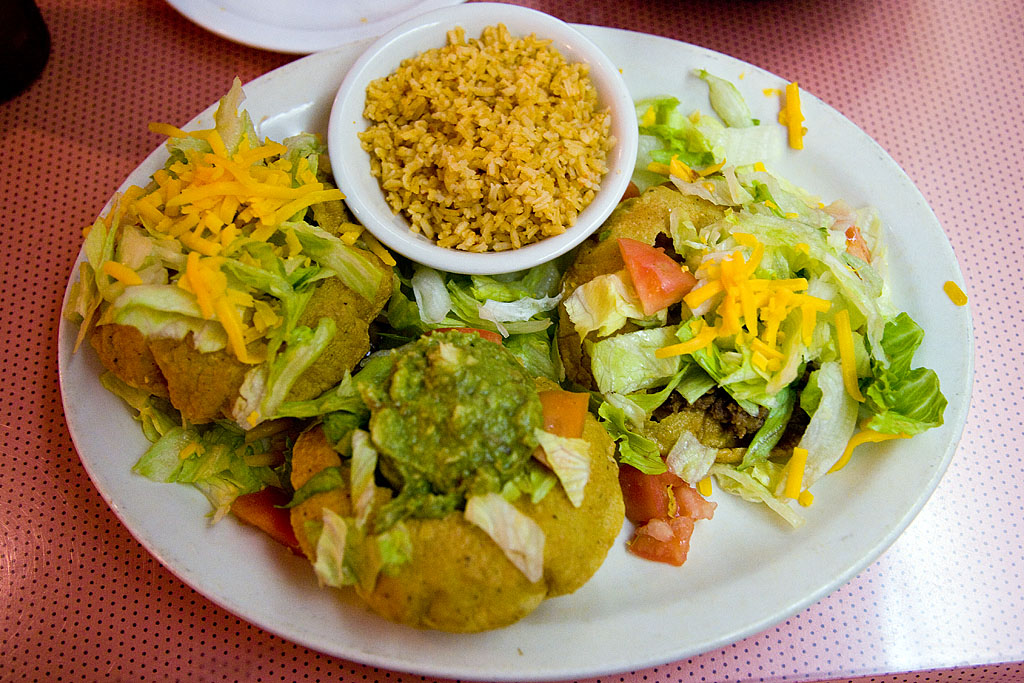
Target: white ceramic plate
<point>746,571</point>
<point>302,26</point>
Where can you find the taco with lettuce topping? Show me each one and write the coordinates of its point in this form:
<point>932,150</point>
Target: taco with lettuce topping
<point>234,282</point>
<point>457,492</point>
<point>735,326</point>
<point>230,289</point>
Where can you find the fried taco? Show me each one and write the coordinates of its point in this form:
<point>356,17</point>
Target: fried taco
<point>234,282</point>
<point>458,492</point>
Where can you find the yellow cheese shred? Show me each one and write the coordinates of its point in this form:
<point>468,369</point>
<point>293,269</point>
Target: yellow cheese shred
<point>702,340</point>
<point>698,296</point>
<point>680,170</point>
<point>704,487</point>
<point>658,167</point>
<point>955,294</point>
<point>861,437</point>
<point>650,117</point>
<point>847,360</point>
<point>378,249</point>
<point>228,316</point>
<point>795,473</point>
<point>714,168</point>
<point>792,117</point>
<point>121,273</point>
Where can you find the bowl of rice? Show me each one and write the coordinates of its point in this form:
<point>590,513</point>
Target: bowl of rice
<point>482,138</point>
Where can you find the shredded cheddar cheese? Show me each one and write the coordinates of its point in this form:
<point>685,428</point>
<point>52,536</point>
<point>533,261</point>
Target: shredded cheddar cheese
<point>121,273</point>
<point>650,117</point>
<point>955,294</point>
<point>704,487</point>
<point>862,437</point>
<point>750,310</point>
<point>713,168</point>
<point>792,117</point>
<point>795,473</point>
<point>216,201</point>
<point>681,170</point>
<point>847,359</point>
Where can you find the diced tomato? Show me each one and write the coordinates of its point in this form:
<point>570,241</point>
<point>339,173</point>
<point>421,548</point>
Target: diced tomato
<point>263,510</point>
<point>647,495</point>
<point>631,191</point>
<point>855,244</point>
<point>663,540</point>
<point>665,507</point>
<point>658,279</point>
<point>693,505</point>
<point>564,412</point>
<point>489,335</point>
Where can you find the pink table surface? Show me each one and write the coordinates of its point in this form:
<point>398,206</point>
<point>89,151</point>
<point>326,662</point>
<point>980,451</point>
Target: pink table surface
<point>937,82</point>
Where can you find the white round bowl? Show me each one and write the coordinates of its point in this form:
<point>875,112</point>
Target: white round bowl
<point>351,164</point>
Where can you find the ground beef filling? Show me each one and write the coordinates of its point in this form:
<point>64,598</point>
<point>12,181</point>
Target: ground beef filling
<point>733,421</point>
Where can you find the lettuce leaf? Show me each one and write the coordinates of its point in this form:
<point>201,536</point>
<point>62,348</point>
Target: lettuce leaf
<point>569,459</point>
<point>903,400</point>
<point>518,536</point>
<point>727,101</point>
<point>633,449</point>
<point>627,363</point>
<point>603,304</point>
<point>832,422</point>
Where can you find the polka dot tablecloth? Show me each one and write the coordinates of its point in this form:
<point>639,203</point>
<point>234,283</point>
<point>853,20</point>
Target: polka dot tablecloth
<point>936,82</point>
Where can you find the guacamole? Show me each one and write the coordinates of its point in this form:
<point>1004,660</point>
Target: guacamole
<point>454,417</point>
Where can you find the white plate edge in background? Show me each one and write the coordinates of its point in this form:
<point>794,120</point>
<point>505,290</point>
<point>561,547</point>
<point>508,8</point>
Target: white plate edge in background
<point>259,23</point>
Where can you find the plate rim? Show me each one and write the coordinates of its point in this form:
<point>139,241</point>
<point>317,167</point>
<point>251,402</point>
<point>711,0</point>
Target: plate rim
<point>211,15</point>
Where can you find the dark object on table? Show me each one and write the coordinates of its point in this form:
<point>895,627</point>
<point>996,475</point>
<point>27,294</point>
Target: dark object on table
<point>24,46</point>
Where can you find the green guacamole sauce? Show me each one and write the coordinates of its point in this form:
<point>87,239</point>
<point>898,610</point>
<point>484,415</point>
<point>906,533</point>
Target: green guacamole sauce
<point>455,417</point>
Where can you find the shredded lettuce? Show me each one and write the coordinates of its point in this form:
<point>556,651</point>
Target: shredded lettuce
<point>331,546</point>
<point>832,422</point>
<point>756,486</point>
<point>362,487</point>
<point>690,459</point>
<point>217,459</point>
<point>346,555</point>
<point>604,304</point>
<point>727,101</point>
<point>772,430</point>
<point>569,459</point>
<point>635,449</point>
<point>265,387</point>
<point>431,294</point>
<point>518,536</point>
<point>902,399</point>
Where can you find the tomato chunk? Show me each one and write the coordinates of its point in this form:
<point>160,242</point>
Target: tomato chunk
<point>489,335</point>
<point>263,510</point>
<point>665,507</point>
<point>693,505</point>
<point>631,191</point>
<point>647,496</point>
<point>663,540</point>
<point>856,246</point>
<point>564,412</point>
<point>658,279</point>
